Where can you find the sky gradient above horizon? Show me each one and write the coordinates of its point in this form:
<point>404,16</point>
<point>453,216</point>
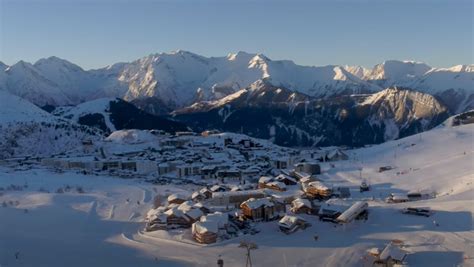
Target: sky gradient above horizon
<point>97,33</point>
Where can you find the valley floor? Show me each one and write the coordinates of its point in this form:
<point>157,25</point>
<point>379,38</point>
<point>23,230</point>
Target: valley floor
<point>40,226</point>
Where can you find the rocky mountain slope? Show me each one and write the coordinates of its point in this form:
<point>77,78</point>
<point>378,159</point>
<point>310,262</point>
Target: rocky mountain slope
<point>453,86</point>
<point>293,119</point>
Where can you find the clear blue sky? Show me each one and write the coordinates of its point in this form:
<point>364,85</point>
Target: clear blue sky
<point>93,34</point>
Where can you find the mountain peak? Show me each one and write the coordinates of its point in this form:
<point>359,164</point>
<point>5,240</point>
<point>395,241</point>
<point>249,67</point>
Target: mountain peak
<point>238,55</point>
<point>53,63</point>
<point>398,70</point>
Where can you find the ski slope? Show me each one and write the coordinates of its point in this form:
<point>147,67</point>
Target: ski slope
<point>102,227</point>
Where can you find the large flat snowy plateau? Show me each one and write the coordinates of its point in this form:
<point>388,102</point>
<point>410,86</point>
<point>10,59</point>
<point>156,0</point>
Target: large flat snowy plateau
<point>67,218</point>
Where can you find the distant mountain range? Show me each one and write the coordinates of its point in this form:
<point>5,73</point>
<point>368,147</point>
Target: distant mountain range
<point>295,119</point>
<point>181,78</point>
<point>249,93</point>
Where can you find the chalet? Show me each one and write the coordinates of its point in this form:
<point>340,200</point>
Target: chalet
<point>287,180</point>
<point>262,182</point>
<point>335,155</point>
<point>251,172</point>
<point>300,175</point>
<point>218,188</point>
<point>156,219</point>
<point>306,180</point>
<point>310,168</point>
<point>301,205</point>
<point>263,209</point>
<point>236,188</point>
<point>157,223</point>
<point>206,192</point>
<point>391,255</point>
<point>235,197</point>
<point>190,212</point>
<point>317,189</point>
<point>353,212</point>
<point>176,218</point>
<point>206,231</point>
<point>205,210</point>
<point>289,224</point>
<point>197,196</point>
<point>277,186</point>
<point>176,199</point>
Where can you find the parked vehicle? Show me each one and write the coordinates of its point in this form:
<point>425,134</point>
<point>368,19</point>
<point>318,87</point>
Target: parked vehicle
<point>364,187</point>
<point>418,211</point>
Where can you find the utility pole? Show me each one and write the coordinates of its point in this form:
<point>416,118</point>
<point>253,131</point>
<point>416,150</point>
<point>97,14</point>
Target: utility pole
<point>248,246</point>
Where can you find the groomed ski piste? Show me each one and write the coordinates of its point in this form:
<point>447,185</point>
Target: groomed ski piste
<point>66,218</point>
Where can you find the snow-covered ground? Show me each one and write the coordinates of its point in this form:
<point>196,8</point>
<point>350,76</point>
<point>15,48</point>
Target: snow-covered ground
<point>102,226</point>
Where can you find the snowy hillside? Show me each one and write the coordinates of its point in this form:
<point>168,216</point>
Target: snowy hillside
<point>98,106</point>
<point>26,130</point>
<point>439,160</point>
<point>111,114</point>
<point>98,220</point>
<point>16,109</point>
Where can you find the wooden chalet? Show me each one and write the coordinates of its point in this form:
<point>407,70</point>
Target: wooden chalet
<point>289,224</point>
<point>301,205</point>
<point>264,209</point>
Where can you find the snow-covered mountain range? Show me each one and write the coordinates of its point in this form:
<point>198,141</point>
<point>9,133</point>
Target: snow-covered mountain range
<point>182,78</point>
<point>250,93</point>
<point>294,119</point>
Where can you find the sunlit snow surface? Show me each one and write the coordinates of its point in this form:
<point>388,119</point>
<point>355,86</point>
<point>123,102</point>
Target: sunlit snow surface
<point>101,228</point>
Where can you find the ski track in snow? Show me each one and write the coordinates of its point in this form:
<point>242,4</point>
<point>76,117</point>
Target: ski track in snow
<point>100,228</point>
